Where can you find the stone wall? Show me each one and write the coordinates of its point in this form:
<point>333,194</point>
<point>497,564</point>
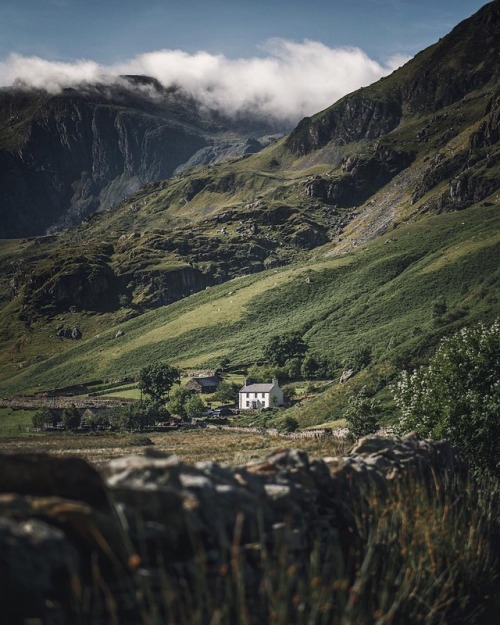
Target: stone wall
<point>66,530</point>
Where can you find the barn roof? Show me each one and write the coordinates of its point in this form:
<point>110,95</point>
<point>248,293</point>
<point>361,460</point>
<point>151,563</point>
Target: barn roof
<point>210,381</point>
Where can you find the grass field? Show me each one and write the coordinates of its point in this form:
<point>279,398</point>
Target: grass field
<point>234,448</point>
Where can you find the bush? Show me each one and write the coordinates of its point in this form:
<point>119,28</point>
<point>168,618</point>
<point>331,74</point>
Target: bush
<point>289,424</point>
<point>71,418</point>
<point>227,392</point>
<point>283,347</point>
<point>43,418</point>
<point>178,401</point>
<point>362,415</point>
<point>457,396</point>
<point>194,407</point>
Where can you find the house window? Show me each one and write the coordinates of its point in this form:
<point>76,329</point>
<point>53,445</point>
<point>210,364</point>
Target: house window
<point>248,394</point>
<point>263,395</point>
<point>248,404</point>
<point>255,394</point>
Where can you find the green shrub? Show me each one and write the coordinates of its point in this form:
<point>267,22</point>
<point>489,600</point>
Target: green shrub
<point>362,415</point>
<point>457,395</point>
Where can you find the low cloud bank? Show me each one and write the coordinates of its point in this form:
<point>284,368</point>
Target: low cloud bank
<point>289,81</point>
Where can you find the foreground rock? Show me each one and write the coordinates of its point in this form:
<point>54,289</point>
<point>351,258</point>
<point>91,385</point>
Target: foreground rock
<point>70,538</point>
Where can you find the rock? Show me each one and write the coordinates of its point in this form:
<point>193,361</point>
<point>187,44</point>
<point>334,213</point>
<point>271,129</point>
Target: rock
<point>346,375</point>
<point>119,333</point>
<point>36,569</point>
<point>76,334</point>
<point>43,475</point>
<point>362,177</point>
<point>371,444</point>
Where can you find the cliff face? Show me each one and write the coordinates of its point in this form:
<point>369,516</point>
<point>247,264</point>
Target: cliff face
<point>66,156</point>
<point>464,61</point>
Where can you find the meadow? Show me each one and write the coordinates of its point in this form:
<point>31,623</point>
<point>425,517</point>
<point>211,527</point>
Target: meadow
<point>223,446</point>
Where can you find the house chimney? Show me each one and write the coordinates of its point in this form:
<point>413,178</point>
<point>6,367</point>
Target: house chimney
<point>275,381</point>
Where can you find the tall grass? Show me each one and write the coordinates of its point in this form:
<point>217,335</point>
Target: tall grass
<point>423,551</point>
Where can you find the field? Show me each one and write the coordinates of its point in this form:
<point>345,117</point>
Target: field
<point>234,448</point>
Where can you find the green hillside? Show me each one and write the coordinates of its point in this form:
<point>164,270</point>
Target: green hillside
<point>380,296</point>
<point>373,225</point>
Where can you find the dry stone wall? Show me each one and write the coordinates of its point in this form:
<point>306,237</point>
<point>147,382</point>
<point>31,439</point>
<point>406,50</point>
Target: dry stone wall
<point>62,523</point>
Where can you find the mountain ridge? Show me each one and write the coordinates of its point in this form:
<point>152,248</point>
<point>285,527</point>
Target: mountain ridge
<point>65,156</point>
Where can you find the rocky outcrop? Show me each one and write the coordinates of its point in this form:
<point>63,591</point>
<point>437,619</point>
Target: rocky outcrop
<point>471,174</point>
<point>66,281</point>
<point>153,517</point>
<point>355,117</point>
<point>463,61</point>
<point>154,288</point>
<point>362,177</point>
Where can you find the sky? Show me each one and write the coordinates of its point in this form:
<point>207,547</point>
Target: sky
<point>229,53</point>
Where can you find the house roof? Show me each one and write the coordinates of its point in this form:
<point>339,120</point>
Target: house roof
<point>257,388</point>
<point>211,381</point>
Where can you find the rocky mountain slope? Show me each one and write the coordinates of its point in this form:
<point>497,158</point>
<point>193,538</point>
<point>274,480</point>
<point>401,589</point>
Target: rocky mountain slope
<point>421,142</point>
<point>64,156</point>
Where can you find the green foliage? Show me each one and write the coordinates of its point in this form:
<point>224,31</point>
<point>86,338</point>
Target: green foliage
<point>282,347</point>
<point>352,301</point>
<point>139,415</point>
<point>157,379</point>
<point>43,417</point>
<point>362,415</point>
<point>360,359</point>
<point>71,418</point>
<point>289,424</point>
<point>178,400</point>
<point>315,367</point>
<point>265,373</point>
<point>194,406</point>
<point>224,363</point>
<point>457,395</point>
<point>288,393</point>
<point>227,391</point>
<point>97,420</point>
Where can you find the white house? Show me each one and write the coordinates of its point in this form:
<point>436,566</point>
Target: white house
<point>259,396</point>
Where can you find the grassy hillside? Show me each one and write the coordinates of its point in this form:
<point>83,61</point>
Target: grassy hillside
<point>380,295</point>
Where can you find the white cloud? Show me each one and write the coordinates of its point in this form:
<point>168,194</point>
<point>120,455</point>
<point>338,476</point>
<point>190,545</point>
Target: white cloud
<point>289,81</point>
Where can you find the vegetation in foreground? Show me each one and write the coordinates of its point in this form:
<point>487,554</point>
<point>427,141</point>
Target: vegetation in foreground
<point>426,559</point>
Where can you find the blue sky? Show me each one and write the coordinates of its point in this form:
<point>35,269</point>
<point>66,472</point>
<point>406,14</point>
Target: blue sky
<point>279,58</point>
<point>109,31</point>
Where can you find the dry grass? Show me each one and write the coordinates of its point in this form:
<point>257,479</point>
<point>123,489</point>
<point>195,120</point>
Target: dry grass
<point>234,448</point>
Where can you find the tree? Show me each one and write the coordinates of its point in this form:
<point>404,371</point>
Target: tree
<point>157,379</point>
<point>43,417</point>
<point>178,400</point>
<point>362,416</point>
<point>194,407</point>
<point>283,347</point>
<point>457,396</point>
<point>138,416</point>
<point>71,418</point>
<point>227,391</point>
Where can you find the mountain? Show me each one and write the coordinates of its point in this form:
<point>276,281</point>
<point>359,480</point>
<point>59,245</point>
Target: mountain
<point>64,156</point>
<point>372,226</point>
